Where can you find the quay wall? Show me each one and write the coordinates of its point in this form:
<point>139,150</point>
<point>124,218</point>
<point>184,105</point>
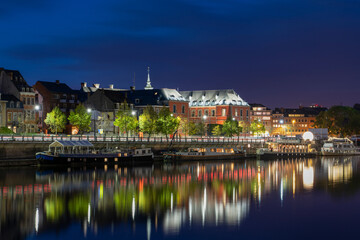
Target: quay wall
<point>27,150</point>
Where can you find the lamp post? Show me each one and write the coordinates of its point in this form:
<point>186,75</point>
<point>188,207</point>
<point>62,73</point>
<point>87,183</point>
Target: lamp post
<point>205,117</point>
<point>293,121</point>
<point>89,110</point>
<point>37,108</point>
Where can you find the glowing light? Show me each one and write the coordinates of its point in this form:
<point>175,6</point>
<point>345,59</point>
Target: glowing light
<point>37,107</point>
<point>308,136</point>
<point>89,213</point>
<point>308,177</point>
<point>171,202</point>
<point>133,113</point>
<point>37,220</point>
<point>133,208</point>
<point>89,110</point>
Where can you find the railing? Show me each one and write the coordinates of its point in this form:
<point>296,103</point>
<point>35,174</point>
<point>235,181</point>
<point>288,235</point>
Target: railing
<point>192,139</point>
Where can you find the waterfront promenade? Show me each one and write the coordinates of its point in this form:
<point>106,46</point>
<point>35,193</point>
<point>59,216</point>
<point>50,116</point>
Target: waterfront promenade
<point>18,147</point>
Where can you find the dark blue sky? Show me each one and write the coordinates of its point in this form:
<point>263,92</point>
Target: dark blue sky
<point>275,52</point>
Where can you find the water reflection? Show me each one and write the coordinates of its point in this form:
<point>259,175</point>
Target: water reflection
<point>166,198</point>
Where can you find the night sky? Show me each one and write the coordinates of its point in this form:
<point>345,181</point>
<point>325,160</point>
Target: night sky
<point>274,52</point>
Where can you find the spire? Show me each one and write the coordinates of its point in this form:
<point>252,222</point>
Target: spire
<point>148,83</point>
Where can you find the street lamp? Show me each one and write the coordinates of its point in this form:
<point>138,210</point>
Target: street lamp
<point>37,108</point>
<point>205,117</point>
<point>133,113</point>
<point>89,110</point>
<point>293,121</point>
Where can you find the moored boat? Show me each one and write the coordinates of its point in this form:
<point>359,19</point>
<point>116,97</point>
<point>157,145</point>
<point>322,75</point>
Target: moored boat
<point>196,154</point>
<point>339,147</point>
<point>83,152</point>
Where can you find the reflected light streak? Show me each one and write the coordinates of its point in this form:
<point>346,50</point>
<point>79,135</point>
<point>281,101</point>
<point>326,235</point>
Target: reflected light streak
<point>133,208</point>
<point>37,220</point>
<point>308,177</point>
<point>88,213</point>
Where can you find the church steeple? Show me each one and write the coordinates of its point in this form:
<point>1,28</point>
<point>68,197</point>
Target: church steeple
<point>148,83</point>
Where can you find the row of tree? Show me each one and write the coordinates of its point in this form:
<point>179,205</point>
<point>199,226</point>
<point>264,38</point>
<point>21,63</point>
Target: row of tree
<point>150,122</point>
<point>340,120</point>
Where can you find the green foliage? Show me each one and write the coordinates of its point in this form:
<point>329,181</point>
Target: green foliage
<point>166,122</point>
<point>185,126</point>
<point>340,120</point>
<point>5,130</point>
<point>257,128</point>
<point>200,128</point>
<point>231,127</point>
<point>56,120</point>
<point>80,118</point>
<point>125,121</point>
<point>147,121</point>
<point>216,130</point>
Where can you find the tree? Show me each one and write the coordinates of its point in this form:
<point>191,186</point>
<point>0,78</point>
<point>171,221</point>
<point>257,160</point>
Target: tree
<point>166,122</point>
<point>125,120</point>
<point>216,130</point>
<point>80,118</point>
<point>147,121</point>
<point>257,128</point>
<point>231,127</point>
<point>200,128</point>
<point>340,120</point>
<point>186,126</point>
<point>56,120</point>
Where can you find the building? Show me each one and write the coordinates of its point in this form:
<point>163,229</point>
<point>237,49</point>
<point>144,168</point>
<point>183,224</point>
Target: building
<point>104,104</point>
<point>259,112</point>
<point>14,113</point>
<point>215,106</point>
<point>2,112</point>
<point>27,97</point>
<point>55,94</point>
<point>158,98</point>
<point>294,121</point>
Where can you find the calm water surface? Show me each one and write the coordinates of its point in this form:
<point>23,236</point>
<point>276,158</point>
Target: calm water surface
<point>284,199</point>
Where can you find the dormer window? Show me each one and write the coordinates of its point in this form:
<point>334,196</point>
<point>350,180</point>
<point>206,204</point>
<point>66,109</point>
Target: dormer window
<point>137,101</point>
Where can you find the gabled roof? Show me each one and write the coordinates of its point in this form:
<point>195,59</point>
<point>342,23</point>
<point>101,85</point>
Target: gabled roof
<point>65,143</point>
<point>213,98</point>
<point>55,87</point>
<point>17,79</point>
<point>9,97</point>
<point>154,96</point>
<point>115,96</point>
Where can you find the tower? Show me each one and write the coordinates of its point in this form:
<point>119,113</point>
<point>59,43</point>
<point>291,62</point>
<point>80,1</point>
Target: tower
<point>148,83</point>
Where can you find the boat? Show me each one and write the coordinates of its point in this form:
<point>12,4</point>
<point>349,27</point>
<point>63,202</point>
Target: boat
<point>211,153</point>
<point>265,153</point>
<point>71,152</point>
<point>339,147</point>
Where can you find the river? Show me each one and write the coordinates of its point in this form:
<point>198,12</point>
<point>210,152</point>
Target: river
<point>282,199</point>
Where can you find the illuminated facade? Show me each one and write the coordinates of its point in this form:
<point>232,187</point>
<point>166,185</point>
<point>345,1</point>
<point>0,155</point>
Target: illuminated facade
<point>215,106</point>
<point>294,121</point>
<point>263,114</point>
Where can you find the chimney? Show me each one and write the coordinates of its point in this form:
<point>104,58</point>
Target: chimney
<point>96,85</point>
<point>111,86</point>
<point>57,81</point>
<point>83,84</point>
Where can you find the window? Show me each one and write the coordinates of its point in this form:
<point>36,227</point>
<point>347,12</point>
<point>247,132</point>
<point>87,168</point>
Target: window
<point>174,108</point>
<point>11,104</point>
<point>183,109</point>
<point>240,112</point>
<point>9,117</point>
<point>213,112</point>
<point>247,113</point>
<point>223,112</point>
<point>32,101</point>
<point>137,101</point>
<point>236,112</point>
<point>17,104</point>
<point>56,96</point>
<point>15,116</point>
<point>206,113</point>
<point>199,113</point>
<point>192,113</point>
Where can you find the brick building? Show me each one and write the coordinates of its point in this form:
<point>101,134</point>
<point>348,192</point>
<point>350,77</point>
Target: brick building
<point>52,94</point>
<point>216,105</point>
<point>14,113</point>
<point>261,113</point>
<point>294,121</point>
